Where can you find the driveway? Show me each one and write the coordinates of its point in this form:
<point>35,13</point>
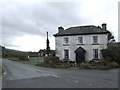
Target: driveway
<point>20,75</point>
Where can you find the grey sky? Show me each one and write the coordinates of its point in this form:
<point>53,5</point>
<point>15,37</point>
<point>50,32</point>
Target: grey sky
<point>119,21</point>
<point>27,21</point>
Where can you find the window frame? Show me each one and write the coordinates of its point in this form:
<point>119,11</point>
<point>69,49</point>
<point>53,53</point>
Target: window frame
<point>95,39</point>
<point>95,54</point>
<point>80,40</point>
<point>66,53</point>
<point>65,41</point>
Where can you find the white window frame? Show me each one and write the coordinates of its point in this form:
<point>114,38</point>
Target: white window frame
<point>66,40</point>
<point>66,54</point>
<point>95,54</point>
<point>95,39</point>
<point>80,40</point>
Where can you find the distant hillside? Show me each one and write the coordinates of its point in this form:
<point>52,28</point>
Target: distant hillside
<point>15,53</point>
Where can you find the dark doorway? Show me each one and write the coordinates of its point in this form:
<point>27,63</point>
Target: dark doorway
<point>80,55</point>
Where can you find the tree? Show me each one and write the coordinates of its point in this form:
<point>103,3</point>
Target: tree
<point>111,53</point>
<point>48,47</point>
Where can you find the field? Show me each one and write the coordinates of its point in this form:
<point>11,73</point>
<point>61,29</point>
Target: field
<point>32,61</point>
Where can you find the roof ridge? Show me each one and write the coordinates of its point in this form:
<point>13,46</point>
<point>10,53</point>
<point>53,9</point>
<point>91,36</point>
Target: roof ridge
<point>82,26</point>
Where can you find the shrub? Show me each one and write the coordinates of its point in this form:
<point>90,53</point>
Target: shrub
<point>23,58</point>
<point>111,54</point>
<point>94,63</point>
<point>39,65</point>
<point>63,65</point>
<point>51,60</point>
<point>85,66</point>
<point>113,64</point>
<point>104,62</point>
<point>91,62</point>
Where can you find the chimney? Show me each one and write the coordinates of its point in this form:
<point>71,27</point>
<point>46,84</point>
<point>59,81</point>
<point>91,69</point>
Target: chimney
<point>104,26</point>
<point>60,29</point>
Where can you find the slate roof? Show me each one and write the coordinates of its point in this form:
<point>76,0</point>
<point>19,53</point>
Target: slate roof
<point>82,30</point>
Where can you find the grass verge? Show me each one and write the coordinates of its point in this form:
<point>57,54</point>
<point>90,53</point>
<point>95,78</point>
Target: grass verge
<point>35,58</point>
<point>32,61</point>
<point>0,70</point>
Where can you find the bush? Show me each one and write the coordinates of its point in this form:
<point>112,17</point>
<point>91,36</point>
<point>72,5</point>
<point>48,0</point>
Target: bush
<point>94,63</point>
<point>103,65</point>
<point>111,54</point>
<point>104,62</point>
<point>84,66</point>
<point>39,65</point>
<point>113,64</point>
<point>62,65</point>
<point>51,60</point>
<point>23,58</point>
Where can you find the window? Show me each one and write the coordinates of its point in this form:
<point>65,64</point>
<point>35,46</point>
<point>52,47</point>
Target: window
<point>95,53</point>
<point>66,54</point>
<point>66,40</point>
<point>80,39</point>
<point>95,39</point>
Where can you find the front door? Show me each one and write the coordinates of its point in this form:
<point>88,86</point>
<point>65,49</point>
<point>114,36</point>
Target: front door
<point>80,55</point>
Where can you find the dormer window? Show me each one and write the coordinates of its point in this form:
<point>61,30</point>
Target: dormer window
<point>95,39</point>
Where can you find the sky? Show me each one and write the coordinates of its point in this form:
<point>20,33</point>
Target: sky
<point>24,23</point>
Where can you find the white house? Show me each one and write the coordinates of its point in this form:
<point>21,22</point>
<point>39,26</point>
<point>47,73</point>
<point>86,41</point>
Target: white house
<point>81,43</point>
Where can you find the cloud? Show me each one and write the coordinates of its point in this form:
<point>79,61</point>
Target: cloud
<point>31,17</point>
<point>119,21</point>
<point>34,18</point>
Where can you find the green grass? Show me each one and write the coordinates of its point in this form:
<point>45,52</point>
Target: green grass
<point>15,53</point>
<point>32,61</point>
<point>13,59</point>
<point>36,58</point>
<point>38,65</point>
<point>0,70</point>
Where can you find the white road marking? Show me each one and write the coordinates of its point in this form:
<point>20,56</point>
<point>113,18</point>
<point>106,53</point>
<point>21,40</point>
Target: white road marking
<point>4,73</point>
<point>55,76</point>
<point>90,84</point>
<point>99,86</point>
<point>76,81</point>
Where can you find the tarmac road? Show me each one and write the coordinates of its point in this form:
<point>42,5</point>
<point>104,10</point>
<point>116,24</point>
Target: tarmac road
<point>20,75</point>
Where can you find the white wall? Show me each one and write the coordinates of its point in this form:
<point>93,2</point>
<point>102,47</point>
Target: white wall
<point>88,47</point>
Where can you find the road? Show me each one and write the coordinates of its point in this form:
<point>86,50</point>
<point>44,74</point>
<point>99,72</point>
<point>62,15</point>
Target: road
<point>20,75</point>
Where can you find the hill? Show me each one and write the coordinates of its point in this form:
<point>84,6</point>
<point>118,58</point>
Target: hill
<point>15,53</point>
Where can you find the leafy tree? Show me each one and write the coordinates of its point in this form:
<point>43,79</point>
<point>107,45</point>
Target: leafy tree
<point>111,54</point>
